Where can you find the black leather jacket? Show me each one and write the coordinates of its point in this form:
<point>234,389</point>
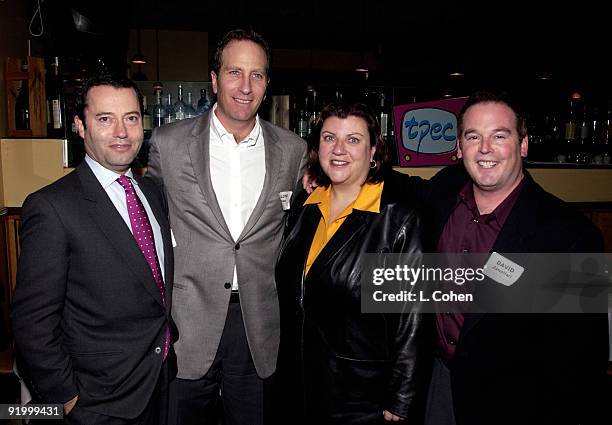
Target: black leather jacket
<point>350,366</point>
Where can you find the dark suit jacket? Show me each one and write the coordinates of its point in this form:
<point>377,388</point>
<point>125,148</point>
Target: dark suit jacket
<point>527,369</point>
<point>87,315</point>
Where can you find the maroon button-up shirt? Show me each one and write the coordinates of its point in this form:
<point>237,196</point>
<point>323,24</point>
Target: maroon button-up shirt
<point>468,231</point>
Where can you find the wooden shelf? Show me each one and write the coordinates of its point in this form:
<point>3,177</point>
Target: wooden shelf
<point>35,78</point>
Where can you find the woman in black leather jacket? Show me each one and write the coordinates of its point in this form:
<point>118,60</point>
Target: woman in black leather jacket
<point>337,365</point>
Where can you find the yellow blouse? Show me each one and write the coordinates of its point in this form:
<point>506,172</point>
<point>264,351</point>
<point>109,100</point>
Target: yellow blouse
<point>367,200</point>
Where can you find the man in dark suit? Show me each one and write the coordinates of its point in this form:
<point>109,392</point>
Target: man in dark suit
<point>505,368</point>
<point>91,312</point>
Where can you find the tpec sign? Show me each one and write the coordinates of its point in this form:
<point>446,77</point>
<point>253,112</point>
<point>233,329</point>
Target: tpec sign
<point>427,132</point>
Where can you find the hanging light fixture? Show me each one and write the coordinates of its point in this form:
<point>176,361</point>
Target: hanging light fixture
<point>138,58</point>
<point>544,76</point>
<point>158,84</point>
<point>362,67</point>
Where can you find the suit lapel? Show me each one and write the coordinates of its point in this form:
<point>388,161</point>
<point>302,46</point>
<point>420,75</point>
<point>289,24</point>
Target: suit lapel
<point>274,158</point>
<point>110,222</point>
<point>521,224</point>
<point>199,151</point>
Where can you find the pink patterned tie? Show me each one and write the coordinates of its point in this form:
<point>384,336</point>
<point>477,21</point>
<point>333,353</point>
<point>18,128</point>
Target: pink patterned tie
<point>143,233</point>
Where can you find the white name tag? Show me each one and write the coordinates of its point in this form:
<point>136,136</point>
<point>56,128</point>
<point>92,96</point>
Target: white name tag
<point>502,270</point>
<point>173,240</point>
<point>285,198</point>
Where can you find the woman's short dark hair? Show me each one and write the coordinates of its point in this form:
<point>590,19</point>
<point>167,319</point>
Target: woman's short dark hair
<point>104,78</point>
<point>238,35</point>
<point>495,97</point>
<point>344,110</point>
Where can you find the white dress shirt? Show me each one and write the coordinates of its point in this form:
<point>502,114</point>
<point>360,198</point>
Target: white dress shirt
<point>237,172</point>
<point>116,193</point>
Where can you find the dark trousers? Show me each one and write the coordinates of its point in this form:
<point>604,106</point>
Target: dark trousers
<point>440,397</point>
<point>155,413</point>
<point>231,386</point>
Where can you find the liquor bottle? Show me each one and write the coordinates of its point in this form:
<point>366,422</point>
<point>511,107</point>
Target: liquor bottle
<point>203,103</point>
<point>179,105</point>
<point>314,113</point>
<point>604,136</point>
<point>536,129</point>
<point>158,110</point>
<point>571,121</point>
<point>583,155</point>
<point>392,143</point>
<point>294,116</point>
<point>56,127</point>
<point>594,125</point>
<point>551,135</point>
<point>22,107</point>
<point>303,118</point>
<point>190,111</point>
<point>169,110</point>
<point>303,130</point>
<point>550,130</point>
<point>386,128</point>
<point>583,128</point>
<point>570,138</point>
<point>147,124</point>
<point>383,117</point>
<point>392,135</point>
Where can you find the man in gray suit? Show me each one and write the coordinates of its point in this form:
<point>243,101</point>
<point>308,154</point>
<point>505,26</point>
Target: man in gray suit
<point>228,176</point>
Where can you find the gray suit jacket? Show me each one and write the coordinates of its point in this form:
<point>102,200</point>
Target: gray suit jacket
<point>205,253</point>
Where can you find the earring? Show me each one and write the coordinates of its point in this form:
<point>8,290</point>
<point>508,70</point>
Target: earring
<point>372,164</point>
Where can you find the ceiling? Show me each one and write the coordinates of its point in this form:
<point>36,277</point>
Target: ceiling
<point>410,40</point>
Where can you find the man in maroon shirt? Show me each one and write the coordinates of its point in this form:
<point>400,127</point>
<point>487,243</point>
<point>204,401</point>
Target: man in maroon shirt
<point>504,368</point>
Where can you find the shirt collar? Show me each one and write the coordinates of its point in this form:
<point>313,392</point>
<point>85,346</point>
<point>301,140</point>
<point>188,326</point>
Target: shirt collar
<point>225,136</point>
<point>105,176</point>
<point>368,199</point>
<point>501,212</point>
